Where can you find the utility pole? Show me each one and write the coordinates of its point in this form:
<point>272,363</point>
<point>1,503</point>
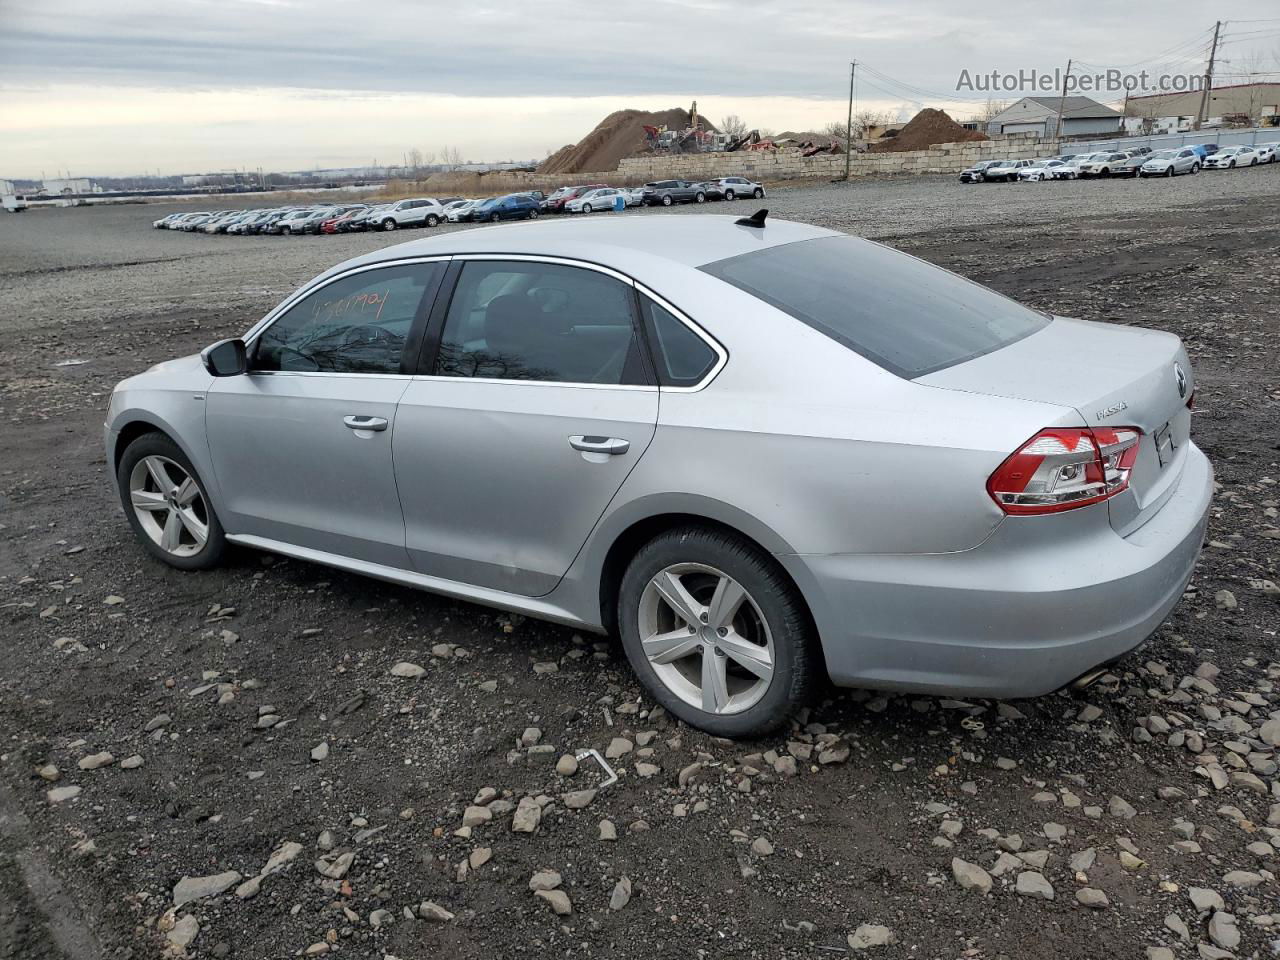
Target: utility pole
<point>848,130</point>
<point>1203,113</point>
<point>1062,100</point>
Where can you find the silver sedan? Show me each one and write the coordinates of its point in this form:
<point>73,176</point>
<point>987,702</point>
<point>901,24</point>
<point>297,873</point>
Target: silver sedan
<point>760,452</point>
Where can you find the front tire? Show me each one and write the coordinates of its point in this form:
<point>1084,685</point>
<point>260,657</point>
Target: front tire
<point>1195,168</point>
<point>389,225</point>
<point>586,208</point>
<point>1169,172</point>
<point>165,502</point>
<point>716,632</point>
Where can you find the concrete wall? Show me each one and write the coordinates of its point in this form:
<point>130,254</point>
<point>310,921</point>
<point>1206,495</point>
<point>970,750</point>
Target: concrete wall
<point>765,165</point>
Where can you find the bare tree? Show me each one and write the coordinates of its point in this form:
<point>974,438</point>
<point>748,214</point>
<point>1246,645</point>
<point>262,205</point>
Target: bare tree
<point>413,160</point>
<point>733,125</point>
<point>836,129</point>
<point>451,158</point>
<point>989,110</point>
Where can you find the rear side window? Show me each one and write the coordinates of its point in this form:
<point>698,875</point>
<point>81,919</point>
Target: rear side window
<point>682,357</point>
<point>527,320</point>
<point>899,312</point>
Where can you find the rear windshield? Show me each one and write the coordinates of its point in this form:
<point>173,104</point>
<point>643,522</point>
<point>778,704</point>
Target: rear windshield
<point>905,315</point>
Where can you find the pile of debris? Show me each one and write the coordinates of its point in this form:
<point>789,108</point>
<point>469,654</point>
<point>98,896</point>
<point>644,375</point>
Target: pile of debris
<point>927,128</point>
<point>619,135</point>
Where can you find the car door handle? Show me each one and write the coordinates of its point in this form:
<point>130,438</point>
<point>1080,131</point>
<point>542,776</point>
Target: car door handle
<point>365,423</point>
<point>610,445</point>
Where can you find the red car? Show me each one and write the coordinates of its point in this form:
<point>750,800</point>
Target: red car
<point>555,203</point>
<point>331,225</point>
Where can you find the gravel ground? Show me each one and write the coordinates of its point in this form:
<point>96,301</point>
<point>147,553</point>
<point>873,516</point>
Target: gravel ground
<point>274,788</point>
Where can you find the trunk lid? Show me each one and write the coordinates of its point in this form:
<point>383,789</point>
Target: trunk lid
<point>1113,376</point>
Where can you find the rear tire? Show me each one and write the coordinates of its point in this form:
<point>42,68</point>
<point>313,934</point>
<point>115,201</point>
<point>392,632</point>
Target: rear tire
<point>174,522</point>
<point>688,669</point>
<point>533,214</point>
<point>432,220</point>
<point>728,194</point>
<point>758,193</point>
<point>699,197</point>
<point>666,200</point>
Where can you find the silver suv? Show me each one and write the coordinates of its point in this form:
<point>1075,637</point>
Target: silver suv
<point>734,187</point>
<point>421,211</point>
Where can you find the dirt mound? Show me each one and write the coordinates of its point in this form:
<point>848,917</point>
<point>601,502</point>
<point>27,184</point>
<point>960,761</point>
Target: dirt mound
<point>620,134</point>
<point>926,128</point>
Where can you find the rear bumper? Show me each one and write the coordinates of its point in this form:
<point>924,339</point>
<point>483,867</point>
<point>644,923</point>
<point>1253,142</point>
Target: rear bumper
<point>1021,615</point>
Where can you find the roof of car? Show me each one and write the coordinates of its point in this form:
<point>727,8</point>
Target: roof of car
<point>690,240</point>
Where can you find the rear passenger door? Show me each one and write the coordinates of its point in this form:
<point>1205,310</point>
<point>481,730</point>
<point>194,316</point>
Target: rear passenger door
<point>534,404</point>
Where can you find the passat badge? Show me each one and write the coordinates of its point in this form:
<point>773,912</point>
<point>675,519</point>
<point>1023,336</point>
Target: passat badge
<point>1180,376</point>
<point>1112,410</point>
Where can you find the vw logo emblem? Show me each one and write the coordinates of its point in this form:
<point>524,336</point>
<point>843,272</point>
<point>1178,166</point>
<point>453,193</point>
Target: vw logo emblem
<point>1180,376</point>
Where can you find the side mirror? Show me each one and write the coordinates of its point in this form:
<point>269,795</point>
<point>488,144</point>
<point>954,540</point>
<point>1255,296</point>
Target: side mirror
<point>227,358</point>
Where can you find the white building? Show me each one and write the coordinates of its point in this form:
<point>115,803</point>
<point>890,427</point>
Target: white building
<point>1039,115</point>
<point>68,188</point>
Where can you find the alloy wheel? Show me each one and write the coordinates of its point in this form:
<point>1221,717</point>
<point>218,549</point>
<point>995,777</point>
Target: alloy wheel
<point>706,638</point>
<point>169,505</point>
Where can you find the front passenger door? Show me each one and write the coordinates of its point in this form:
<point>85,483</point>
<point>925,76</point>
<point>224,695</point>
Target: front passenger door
<point>302,443</point>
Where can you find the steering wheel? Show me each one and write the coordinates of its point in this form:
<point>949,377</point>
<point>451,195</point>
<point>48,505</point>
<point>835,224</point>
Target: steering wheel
<point>365,333</point>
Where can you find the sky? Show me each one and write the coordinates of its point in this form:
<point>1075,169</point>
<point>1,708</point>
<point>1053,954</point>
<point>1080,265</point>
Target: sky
<point>193,86</point>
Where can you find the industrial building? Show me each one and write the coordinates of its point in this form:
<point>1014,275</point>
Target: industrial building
<point>1081,116</point>
<point>68,187</point>
<point>1253,102</point>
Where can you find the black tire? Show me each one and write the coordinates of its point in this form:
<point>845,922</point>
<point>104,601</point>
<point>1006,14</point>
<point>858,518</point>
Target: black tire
<point>432,220</point>
<point>758,193</point>
<point>493,218</point>
<point>1170,171</point>
<point>389,224</point>
<point>728,194</point>
<point>1230,164</point>
<point>699,197</point>
<point>666,200</point>
<point>796,658</point>
<point>586,208</point>
<point>1195,168</point>
<point>533,214</point>
<point>157,444</point>
<point>286,231</point>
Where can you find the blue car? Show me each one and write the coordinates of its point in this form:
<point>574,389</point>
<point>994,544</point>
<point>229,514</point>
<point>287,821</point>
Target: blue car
<point>1204,149</point>
<point>514,206</point>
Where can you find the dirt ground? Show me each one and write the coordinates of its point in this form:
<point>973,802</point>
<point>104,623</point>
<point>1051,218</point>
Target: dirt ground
<point>1159,780</point>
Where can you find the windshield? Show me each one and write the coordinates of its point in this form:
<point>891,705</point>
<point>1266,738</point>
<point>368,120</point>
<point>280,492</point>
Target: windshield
<point>1162,155</point>
<point>904,314</point>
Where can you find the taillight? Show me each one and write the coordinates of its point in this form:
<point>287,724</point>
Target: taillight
<point>1064,468</point>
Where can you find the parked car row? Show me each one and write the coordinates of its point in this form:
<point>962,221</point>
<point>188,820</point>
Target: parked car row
<point>1134,162</point>
<point>431,211</point>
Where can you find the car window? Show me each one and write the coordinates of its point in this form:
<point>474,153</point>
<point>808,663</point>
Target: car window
<point>681,356</point>
<point>540,321</point>
<point>358,324</point>
<point>897,311</point>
